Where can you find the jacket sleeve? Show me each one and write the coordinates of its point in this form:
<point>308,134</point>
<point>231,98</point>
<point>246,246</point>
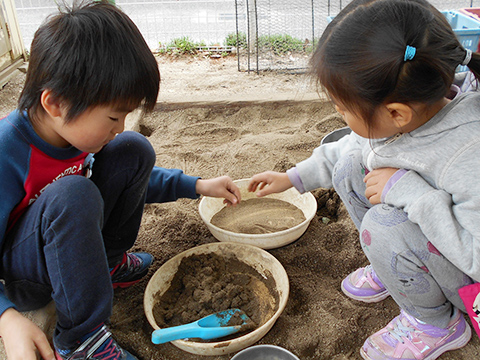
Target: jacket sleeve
<point>317,170</point>
<point>169,185</point>
<point>5,209</point>
<point>447,215</point>
<point>10,188</point>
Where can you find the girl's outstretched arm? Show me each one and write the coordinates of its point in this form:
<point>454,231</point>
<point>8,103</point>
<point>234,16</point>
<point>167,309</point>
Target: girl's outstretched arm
<point>276,181</point>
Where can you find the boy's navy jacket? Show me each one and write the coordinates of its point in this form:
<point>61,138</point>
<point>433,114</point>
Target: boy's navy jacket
<point>28,165</point>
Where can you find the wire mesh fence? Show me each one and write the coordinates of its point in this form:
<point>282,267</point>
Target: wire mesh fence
<point>206,22</point>
<point>281,34</point>
<point>267,34</point>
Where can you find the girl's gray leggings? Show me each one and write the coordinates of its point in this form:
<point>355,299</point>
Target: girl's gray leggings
<point>417,276</point>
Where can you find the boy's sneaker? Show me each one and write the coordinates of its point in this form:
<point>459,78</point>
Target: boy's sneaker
<point>99,346</point>
<point>410,339</point>
<point>131,270</point>
<point>364,285</point>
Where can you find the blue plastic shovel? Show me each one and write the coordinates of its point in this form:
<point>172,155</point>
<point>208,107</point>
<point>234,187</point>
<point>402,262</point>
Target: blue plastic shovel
<point>210,327</point>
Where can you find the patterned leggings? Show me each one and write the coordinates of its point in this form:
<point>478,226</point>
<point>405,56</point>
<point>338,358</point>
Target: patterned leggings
<point>418,277</point>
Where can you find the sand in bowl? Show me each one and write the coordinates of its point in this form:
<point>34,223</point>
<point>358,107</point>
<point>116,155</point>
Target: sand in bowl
<point>258,216</point>
<point>208,283</point>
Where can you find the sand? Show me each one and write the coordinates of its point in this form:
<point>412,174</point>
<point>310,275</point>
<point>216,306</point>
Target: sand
<point>207,284</point>
<point>258,216</point>
<point>212,120</point>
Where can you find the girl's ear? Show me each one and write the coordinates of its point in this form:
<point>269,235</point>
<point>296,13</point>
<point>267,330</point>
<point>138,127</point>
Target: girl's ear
<point>401,114</point>
<point>51,104</point>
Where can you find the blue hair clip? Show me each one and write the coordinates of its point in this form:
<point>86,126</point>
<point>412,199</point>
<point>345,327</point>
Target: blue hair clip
<point>409,53</point>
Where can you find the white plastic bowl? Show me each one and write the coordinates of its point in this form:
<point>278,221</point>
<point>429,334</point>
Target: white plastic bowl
<point>263,262</point>
<point>306,202</point>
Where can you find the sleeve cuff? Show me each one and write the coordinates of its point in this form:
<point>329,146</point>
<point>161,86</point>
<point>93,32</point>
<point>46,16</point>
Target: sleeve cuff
<point>190,183</point>
<point>295,179</point>
<point>5,303</point>
<point>393,179</point>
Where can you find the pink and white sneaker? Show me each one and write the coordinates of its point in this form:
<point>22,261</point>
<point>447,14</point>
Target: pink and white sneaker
<point>408,338</point>
<point>364,285</point>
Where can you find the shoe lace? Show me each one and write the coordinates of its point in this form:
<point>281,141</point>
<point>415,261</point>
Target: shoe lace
<point>110,351</point>
<point>368,277</point>
<point>401,331</point>
<point>406,336</point>
<point>130,263</point>
<point>368,268</point>
<point>100,345</point>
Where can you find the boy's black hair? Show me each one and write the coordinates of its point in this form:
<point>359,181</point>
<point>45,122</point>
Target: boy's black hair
<point>360,57</point>
<point>90,54</point>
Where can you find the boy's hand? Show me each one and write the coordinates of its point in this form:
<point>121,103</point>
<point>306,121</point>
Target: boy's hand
<point>22,339</point>
<point>376,181</point>
<point>219,187</point>
<point>277,182</point>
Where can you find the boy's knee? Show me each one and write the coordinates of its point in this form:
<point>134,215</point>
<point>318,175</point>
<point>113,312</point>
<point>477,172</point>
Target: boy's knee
<point>74,189</point>
<point>135,143</point>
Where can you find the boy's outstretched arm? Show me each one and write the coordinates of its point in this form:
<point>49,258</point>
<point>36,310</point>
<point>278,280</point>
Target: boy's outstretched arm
<point>219,187</point>
<point>22,338</point>
<point>276,181</point>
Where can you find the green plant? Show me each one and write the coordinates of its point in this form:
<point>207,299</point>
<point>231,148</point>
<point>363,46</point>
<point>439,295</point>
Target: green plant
<point>281,43</point>
<point>184,45</point>
<point>181,46</point>
<point>231,40</point>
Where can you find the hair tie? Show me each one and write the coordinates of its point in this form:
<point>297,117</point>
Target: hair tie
<point>468,57</point>
<point>409,53</point>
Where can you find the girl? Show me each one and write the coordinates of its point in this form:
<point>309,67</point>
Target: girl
<point>407,174</point>
<point>74,185</point>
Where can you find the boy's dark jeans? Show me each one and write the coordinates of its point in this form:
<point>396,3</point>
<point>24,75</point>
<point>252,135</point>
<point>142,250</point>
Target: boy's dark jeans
<point>64,244</point>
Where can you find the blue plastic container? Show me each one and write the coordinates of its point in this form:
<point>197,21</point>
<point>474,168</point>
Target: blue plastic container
<point>467,30</point>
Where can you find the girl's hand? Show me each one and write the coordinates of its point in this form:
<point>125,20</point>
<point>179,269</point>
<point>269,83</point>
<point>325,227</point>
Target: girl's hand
<point>376,181</point>
<point>277,182</point>
<point>22,339</point>
<point>221,186</point>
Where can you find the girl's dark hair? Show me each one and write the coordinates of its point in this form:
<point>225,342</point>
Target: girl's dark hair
<point>359,60</point>
<point>90,54</point>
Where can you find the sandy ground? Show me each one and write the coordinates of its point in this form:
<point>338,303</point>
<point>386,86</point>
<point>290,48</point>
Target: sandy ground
<point>212,120</point>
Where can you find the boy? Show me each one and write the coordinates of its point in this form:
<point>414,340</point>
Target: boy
<point>66,237</point>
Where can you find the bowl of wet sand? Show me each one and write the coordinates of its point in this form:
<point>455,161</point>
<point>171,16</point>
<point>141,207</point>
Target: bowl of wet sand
<point>268,222</point>
<point>215,277</point>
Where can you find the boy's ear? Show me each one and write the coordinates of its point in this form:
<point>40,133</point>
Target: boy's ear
<point>51,104</point>
<point>401,114</point>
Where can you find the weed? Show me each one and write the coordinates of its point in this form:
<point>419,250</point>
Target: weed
<point>237,40</point>
<point>281,44</point>
<point>181,46</point>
